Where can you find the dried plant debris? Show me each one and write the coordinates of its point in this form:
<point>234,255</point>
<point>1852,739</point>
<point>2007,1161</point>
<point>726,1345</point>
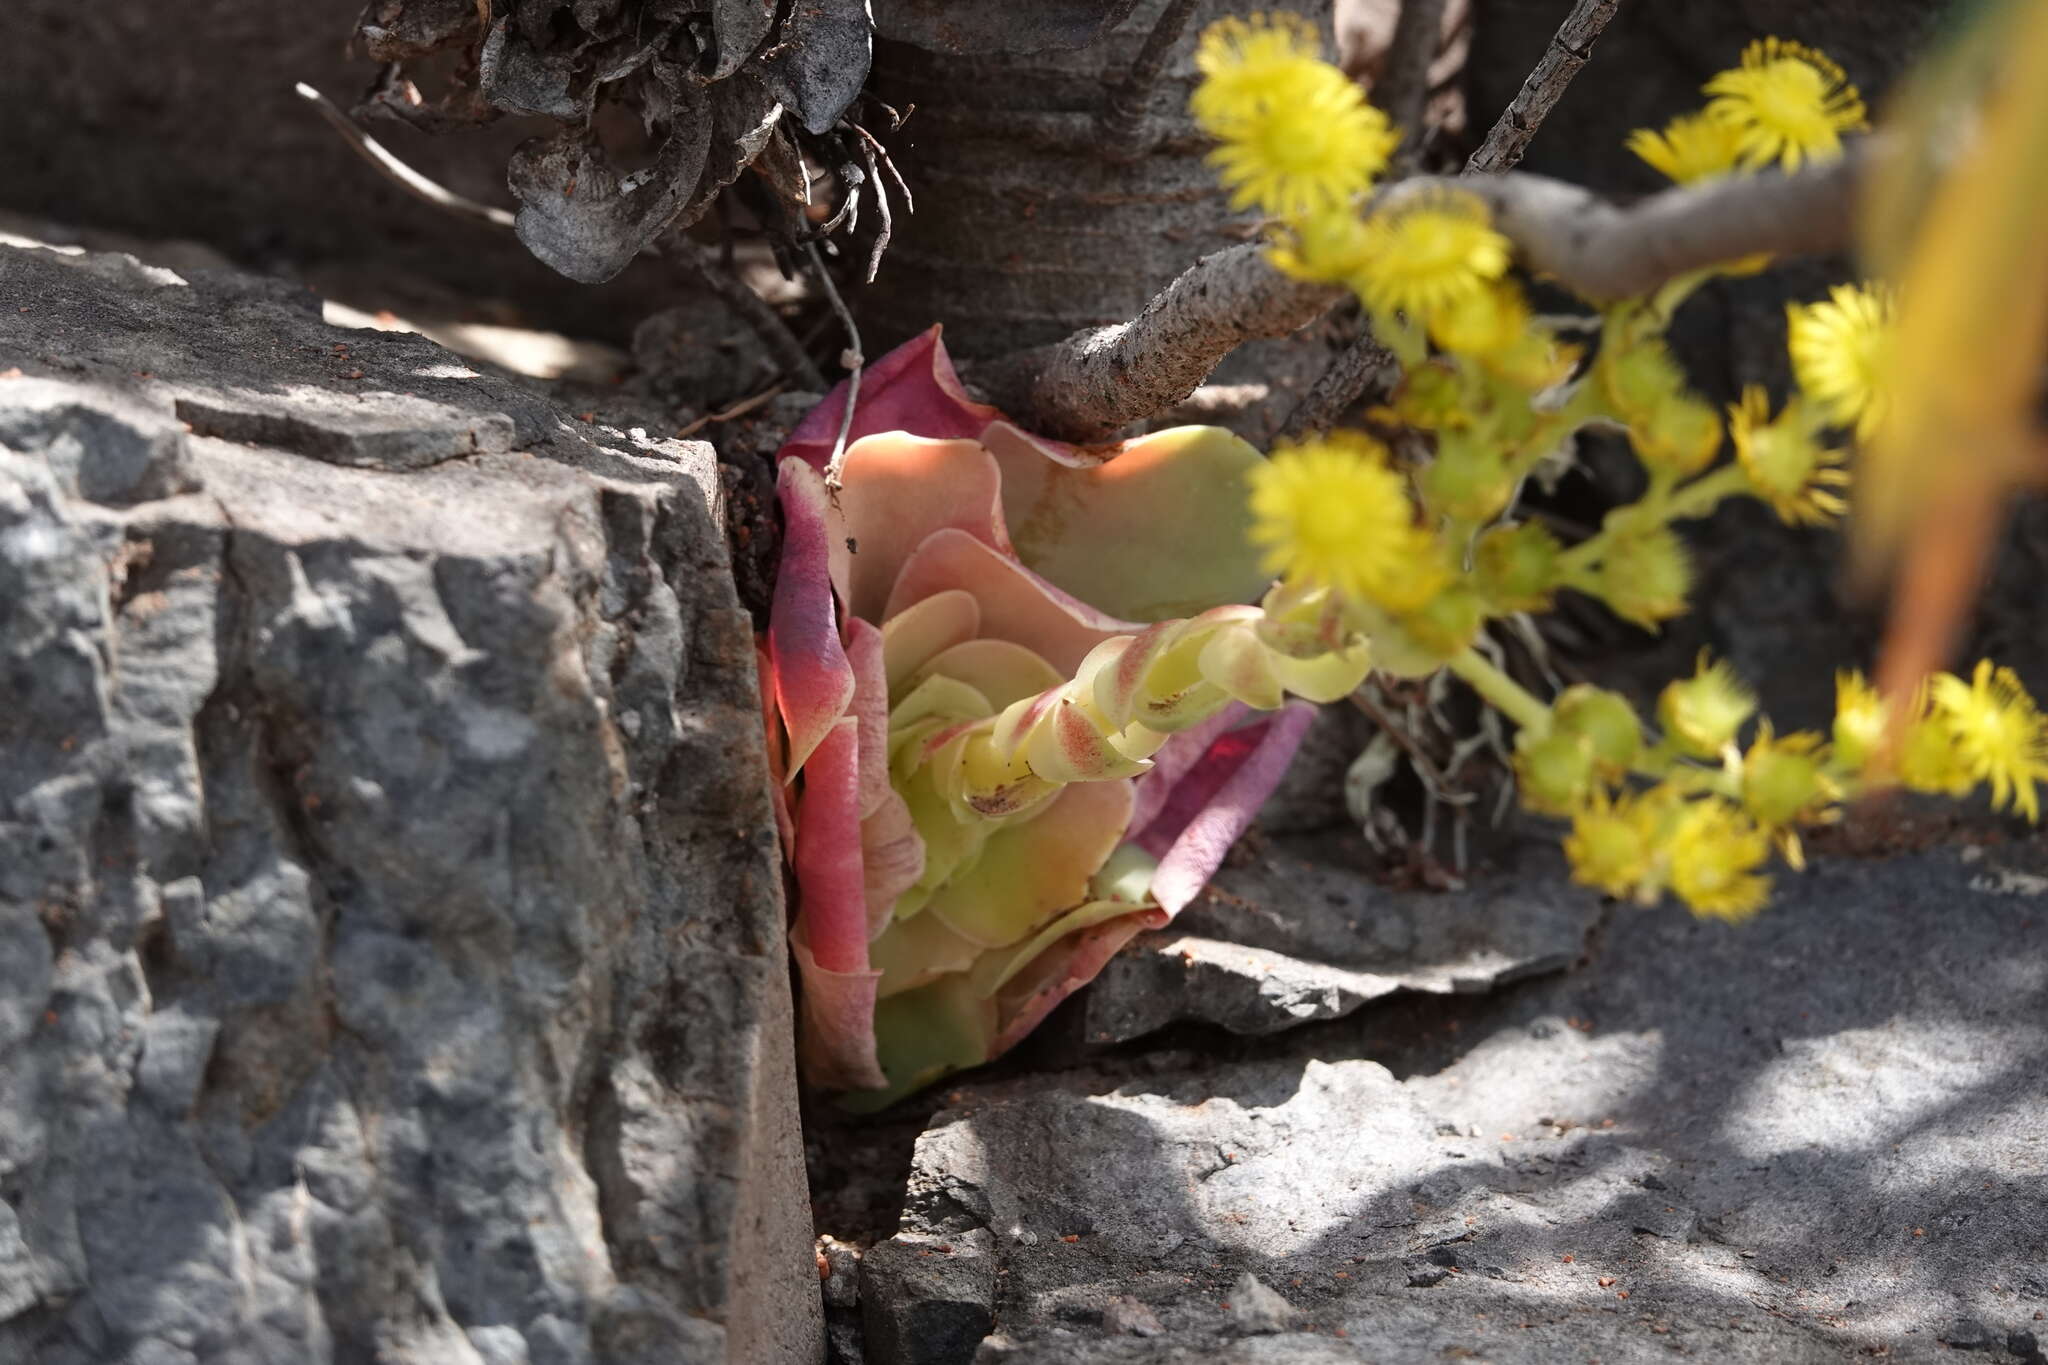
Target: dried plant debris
<point>663,104</point>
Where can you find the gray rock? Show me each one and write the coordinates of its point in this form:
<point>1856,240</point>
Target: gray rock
<point>390,929</point>
<point>1256,1308</point>
<point>928,1300</point>
<point>1813,1137</point>
<point>1294,931</point>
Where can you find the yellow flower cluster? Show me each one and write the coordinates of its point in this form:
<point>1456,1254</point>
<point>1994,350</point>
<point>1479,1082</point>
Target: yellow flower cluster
<point>1297,137</point>
<point>1784,105</point>
<point>1708,826</point>
<point>1417,554</point>
<point>1297,140</point>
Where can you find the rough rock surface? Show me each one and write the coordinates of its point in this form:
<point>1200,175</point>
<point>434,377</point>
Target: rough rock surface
<point>391,954</point>
<point>1815,1137</point>
<point>1296,931</point>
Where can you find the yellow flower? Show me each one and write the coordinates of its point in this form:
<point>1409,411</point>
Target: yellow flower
<point>1715,852</point>
<point>1435,250</point>
<point>1613,844</point>
<point>1646,575</point>
<point>1788,104</point>
<point>1860,719</point>
<point>1333,512</point>
<point>1787,465</point>
<point>1484,322</point>
<point>1309,153</point>
<point>1692,147</point>
<point>1838,351</point>
<point>1705,712</point>
<point>1999,733</point>
<point>1249,66</point>
<point>1326,246</point>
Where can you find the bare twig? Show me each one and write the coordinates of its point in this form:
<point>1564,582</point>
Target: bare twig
<point>1363,369</point>
<point>764,321</point>
<point>1599,251</point>
<point>1569,48</point>
<point>1120,127</point>
<point>1084,388</point>
<point>396,171</point>
<point>1099,380</point>
<point>851,358</point>
<point>1402,91</point>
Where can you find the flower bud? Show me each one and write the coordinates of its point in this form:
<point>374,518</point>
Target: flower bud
<point>1605,721</point>
<point>1784,780</point>
<point>1467,480</point>
<point>1679,436</point>
<point>1448,622</point>
<point>1555,771</point>
<point>1638,379</point>
<point>1431,398</point>
<point>1516,566</point>
<point>1646,575</point>
<point>1705,712</point>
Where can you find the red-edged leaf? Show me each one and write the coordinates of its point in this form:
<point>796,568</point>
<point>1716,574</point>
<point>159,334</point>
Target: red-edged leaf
<point>812,679</point>
<point>1216,800</point>
<point>913,388</point>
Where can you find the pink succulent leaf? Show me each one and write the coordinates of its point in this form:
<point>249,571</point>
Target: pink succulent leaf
<point>829,873</point>
<point>892,857</point>
<point>812,679</point>
<point>1215,802</point>
<point>1065,968</point>
<point>775,744</point>
<point>836,1047</point>
<point>1175,758</point>
<point>913,388</point>
<point>1016,604</point>
<point>898,489</point>
<point>870,710</point>
<point>1117,531</point>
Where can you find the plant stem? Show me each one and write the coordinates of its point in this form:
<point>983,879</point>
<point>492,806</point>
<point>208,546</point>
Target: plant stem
<point>1500,691</point>
<point>1705,493</point>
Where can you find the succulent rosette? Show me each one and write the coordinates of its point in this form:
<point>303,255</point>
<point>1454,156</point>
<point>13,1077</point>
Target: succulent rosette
<point>1005,681</point>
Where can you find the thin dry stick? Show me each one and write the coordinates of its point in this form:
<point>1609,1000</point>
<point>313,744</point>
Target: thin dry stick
<point>1120,128</point>
<point>739,409</point>
<point>1364,369</point>
<point>396,171</point>
<point>764,321</point>
<point>851,358</point>
<point>1402,91</point>
<point>1097,381</point>
<point>1569,49</point>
